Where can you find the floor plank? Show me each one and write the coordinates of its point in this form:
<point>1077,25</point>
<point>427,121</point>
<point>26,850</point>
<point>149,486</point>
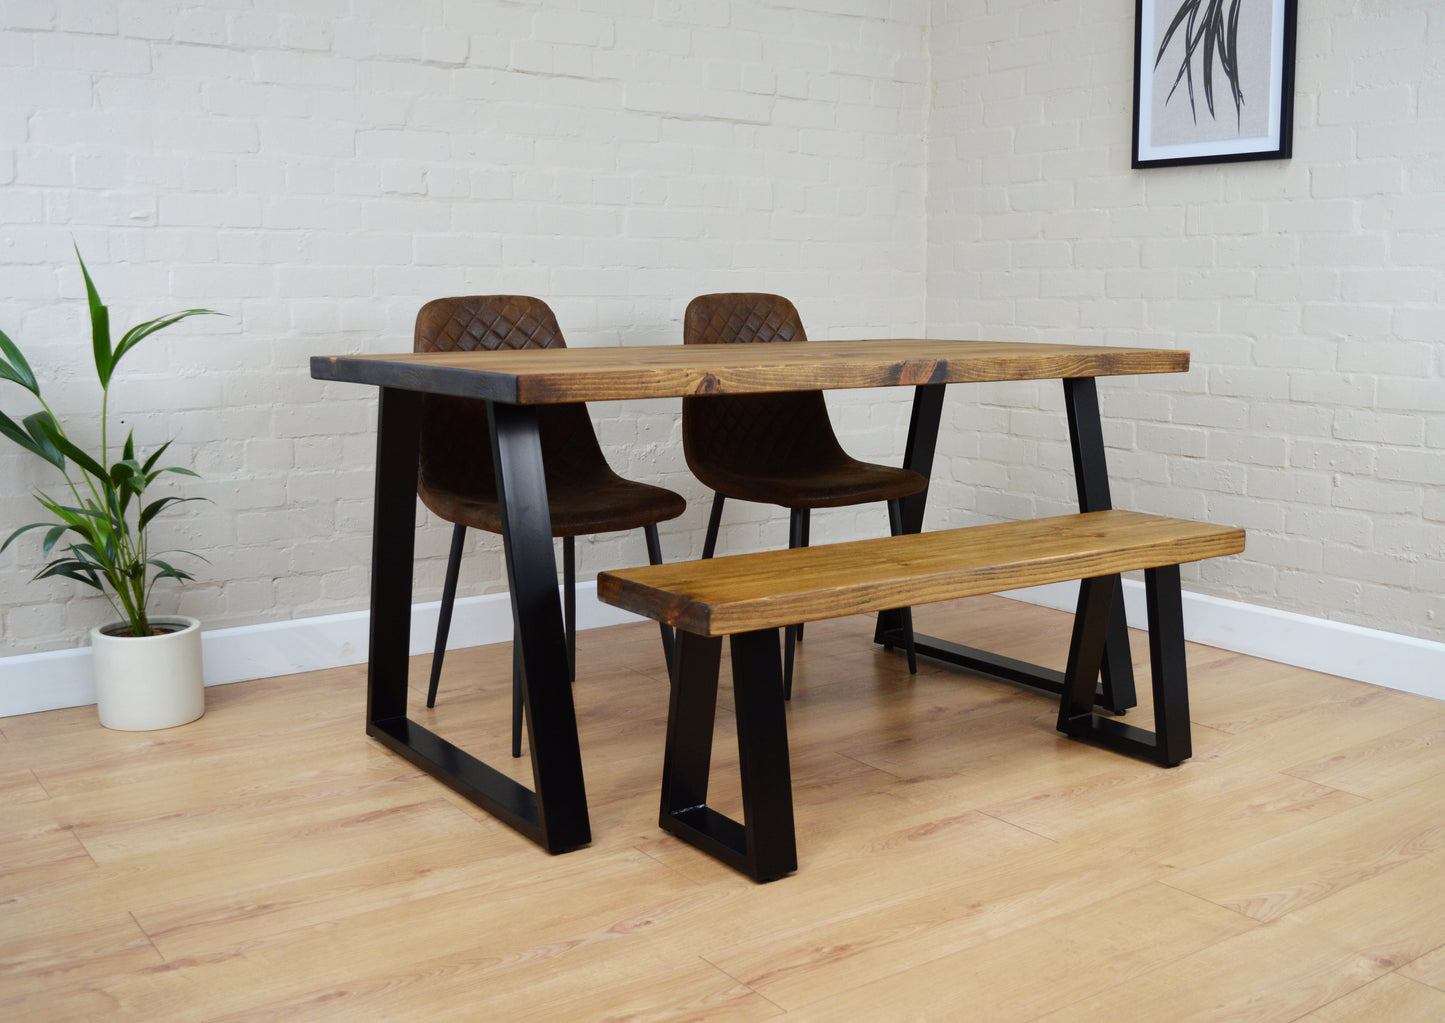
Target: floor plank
<point>1392,997</point>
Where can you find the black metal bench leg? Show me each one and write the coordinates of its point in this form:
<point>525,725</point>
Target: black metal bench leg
<point>1169,743</point>
<point>691,712</point>
<point>763,847</point>
<point>1167,664</point>
<point>763,756</point>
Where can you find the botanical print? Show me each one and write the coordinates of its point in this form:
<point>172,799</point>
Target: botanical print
<point>1212,71</point>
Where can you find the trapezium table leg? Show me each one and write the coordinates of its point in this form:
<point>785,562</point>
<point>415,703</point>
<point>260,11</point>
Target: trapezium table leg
<point>1091,479</point>
<point>551,718</point>
<point>1169,743</point>
<point>763,847</point>
<point>398,429</point>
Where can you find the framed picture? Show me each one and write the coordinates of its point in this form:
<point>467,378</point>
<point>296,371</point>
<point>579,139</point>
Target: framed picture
<point>1213,81</point>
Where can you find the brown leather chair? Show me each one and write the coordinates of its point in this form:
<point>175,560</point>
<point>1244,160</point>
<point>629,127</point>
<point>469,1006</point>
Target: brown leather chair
<point>776,448</point>
<point>456,479</point>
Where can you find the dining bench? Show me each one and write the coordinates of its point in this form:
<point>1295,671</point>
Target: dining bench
<point>749,597</point>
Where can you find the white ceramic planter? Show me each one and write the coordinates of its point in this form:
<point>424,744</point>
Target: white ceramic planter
<point>149,682</point>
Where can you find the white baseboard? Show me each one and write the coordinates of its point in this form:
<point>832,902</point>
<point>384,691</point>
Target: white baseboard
<point>1385,659</point>
<point>62,678</point>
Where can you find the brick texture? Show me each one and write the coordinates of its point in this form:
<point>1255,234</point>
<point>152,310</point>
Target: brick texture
<point>317,174</point>
<point>1310,292</point>
<point>959,167</point>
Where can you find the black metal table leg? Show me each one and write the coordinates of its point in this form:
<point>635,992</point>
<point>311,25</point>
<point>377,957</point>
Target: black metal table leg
<point>1092,479</point>
<point>555,815</point>
<point>392,553</point>
<point>918,456</point>
<point>532,580</point>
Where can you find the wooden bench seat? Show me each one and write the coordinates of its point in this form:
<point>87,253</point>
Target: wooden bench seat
<point>748,597</point>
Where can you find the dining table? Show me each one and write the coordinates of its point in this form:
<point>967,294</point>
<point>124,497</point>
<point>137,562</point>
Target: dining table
<point>516,383</point>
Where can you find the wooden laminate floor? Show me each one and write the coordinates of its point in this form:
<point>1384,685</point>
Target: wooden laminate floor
<point>959,860</point>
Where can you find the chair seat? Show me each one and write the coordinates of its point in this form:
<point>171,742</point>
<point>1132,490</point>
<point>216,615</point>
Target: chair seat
<point>601,506</point>
<point>458,483</point>
<point>835,484</point>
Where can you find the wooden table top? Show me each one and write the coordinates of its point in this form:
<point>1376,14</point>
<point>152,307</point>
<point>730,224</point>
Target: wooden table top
<point>546,376</point>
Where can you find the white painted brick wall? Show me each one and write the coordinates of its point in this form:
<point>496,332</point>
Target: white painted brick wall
<point>317,174</point>
<point>1311,293</point>
<point>318,171</point>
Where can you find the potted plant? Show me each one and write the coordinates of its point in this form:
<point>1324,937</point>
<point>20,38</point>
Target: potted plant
<point>147,668</point>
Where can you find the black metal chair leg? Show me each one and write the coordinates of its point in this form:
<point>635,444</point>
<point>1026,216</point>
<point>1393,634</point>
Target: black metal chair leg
<point>790,640</point>
<point>793,634</point>
<point>895,526</point>
<point>807,524</point>
<point>444,617</point>
<point>654,557</point>
<point>714,523</point>
<point>569,625</point>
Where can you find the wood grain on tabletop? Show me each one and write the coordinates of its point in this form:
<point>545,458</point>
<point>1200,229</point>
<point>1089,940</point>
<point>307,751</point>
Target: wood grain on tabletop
<point>537,376</point>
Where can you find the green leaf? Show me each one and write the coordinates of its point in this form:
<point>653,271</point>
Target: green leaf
<point>11,429</point>
<point>128,453</point>
<point>168,571</point>
<point>138,333</point>
<point>99,327</point>
<point>76,570</point>
<point>23,529</point>
<point>39,441</point>
<point>123,471</point>
<point>14,367</point>
<point>87,555</point>
<point>153,459</point>
<point>127,478</point>
<point>78,517</point>
<point>128,482</point>
<point>156,507</point>
<point>63,444</point>
<point>56,532</point>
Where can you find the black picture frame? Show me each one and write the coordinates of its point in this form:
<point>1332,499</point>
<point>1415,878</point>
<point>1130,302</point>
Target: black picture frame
<point>1213,81</point>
